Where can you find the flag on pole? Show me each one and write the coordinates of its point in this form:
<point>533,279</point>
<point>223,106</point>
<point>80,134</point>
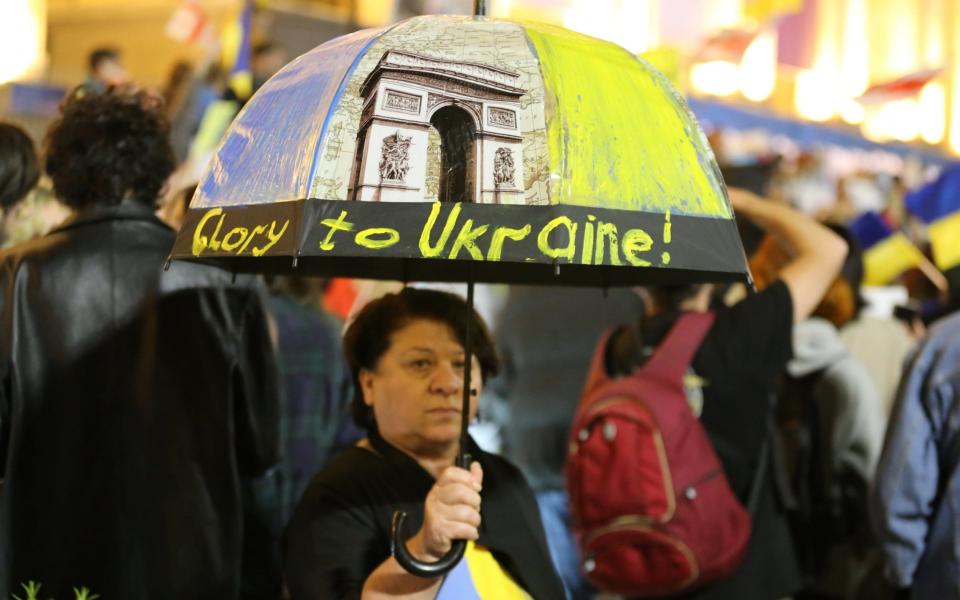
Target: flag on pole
<point>886,254</point>
<point>237,43</point>
<point>938,205</point>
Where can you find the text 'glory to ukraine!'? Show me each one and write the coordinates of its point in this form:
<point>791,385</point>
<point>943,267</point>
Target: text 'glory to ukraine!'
<point>596,242</point>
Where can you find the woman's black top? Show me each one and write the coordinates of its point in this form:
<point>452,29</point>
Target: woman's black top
<point>340,530</point>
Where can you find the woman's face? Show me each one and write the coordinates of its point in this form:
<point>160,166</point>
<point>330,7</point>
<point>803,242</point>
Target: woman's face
<point>416,390</point>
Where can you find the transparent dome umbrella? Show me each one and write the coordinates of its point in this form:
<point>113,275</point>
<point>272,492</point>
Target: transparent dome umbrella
<point>466,149</point>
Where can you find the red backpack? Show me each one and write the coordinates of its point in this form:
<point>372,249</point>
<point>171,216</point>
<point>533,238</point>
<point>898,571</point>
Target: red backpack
<point>650,504</point>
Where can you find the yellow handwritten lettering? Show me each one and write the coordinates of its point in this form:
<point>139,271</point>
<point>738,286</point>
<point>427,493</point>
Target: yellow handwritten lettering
<point>586,255</point>
<point>202,242</point>
<point>543,239</point>
<point>273,236</point>
<point>426,249</point>
<point>667,229</point>
<point>259,229</point>
<point>500,234</point>
<point>634,242</point>
<point>466,239</point>
<point>365,238</point>
<point>607,231</point>
<point>214,242</point>
<point>239,233</point>
<point>335,225</point>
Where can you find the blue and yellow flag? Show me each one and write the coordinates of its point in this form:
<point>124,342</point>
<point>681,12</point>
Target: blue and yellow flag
<point>479,577</point>
<point>886,254</point>
<point>237,43</point>
<point>938,205</point>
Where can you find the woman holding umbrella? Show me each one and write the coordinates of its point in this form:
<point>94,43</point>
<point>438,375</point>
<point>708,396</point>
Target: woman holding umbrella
<point>406,354</point>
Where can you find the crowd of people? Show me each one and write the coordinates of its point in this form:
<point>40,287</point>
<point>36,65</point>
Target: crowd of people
<point>177,431</point>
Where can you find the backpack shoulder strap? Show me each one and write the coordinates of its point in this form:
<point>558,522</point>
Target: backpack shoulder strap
<point>677,350</point>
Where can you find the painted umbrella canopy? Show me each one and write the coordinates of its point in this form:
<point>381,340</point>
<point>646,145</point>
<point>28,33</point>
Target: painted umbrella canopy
<point>467,148</point>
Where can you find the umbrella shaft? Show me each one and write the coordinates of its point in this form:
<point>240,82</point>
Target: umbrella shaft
<point>463,459</point>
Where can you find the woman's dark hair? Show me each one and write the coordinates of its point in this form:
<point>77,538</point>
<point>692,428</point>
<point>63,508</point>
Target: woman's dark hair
<point>368,337</point>
<point>18,165</point>
<point>106,147</point>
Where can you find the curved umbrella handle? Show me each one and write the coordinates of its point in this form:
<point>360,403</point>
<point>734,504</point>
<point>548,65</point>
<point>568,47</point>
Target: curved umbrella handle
<point>419,567</point>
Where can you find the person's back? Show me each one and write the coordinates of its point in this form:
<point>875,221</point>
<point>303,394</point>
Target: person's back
<point>315,390</point>
<point>737,367</point>
<point>917,493</point>
<point>134,400</point>
<point>881,345</point>
<point>832,422</point>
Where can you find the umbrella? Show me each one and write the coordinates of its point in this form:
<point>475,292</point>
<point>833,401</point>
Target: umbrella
<point>464,148</point>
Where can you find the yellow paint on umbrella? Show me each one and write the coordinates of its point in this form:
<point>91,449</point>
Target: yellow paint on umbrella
<point>619,135</point>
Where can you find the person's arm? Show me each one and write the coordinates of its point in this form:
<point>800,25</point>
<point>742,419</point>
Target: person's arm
<point>451,512</point>
<point>817,253</point>
<point>907,479</point>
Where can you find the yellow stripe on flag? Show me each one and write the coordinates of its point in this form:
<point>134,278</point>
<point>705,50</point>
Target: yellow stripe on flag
<point>887,259</point>
<point>241,83</point>
<point>945,241</point>
<point>213,124</point>
<point>230,40</point>
<point>491,581</point>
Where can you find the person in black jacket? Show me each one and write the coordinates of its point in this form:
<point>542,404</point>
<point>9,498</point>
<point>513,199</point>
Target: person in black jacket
<point>134,402</point>
<point>407,359</point>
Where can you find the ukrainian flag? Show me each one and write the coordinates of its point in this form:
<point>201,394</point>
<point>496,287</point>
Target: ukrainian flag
<point>479,577</point>
<point>938,205</point>
<point>886,254</point>
<point>237,43</point>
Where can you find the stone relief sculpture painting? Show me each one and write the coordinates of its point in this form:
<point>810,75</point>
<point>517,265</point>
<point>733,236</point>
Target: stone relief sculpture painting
<point>457,117</point>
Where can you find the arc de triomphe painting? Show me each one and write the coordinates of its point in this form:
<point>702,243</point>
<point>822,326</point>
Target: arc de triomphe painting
<point>472,108</point>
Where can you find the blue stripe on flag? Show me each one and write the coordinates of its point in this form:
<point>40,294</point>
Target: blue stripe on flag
<point>870,229</point>
<point>937,199</point>
<point>458,585</point>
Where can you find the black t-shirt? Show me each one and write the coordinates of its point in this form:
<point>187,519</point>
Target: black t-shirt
<point>340,530</point>
<point>740,360</point>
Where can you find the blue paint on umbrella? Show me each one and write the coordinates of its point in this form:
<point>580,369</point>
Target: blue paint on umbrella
<point>268,153</point>
<point>336,99</point>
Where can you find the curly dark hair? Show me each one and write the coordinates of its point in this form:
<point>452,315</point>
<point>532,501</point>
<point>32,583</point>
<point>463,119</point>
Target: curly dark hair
<point>368,337</point>
<point>107,147</point>
<point>18,165</point>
